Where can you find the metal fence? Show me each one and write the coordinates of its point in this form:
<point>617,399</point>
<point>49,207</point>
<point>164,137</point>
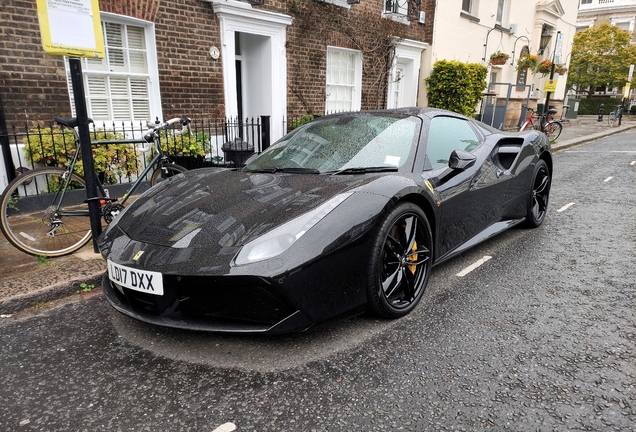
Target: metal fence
<point>220,142</point>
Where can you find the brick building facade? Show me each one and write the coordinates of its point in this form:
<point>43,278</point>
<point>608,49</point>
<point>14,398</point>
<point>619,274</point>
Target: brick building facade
<point>182,75</point>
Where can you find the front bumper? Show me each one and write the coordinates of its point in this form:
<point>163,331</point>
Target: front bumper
<point>220,304</point>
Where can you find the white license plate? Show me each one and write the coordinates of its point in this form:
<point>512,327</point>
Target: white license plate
<point>145,281</point>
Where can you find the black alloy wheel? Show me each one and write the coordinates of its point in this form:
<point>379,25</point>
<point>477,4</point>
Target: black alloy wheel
<point>540,195</point>
<point>400,262</point>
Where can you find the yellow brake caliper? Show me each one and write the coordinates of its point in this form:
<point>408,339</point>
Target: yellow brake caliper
<point>413,258</point>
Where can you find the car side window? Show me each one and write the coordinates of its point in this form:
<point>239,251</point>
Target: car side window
<point>447,134</point>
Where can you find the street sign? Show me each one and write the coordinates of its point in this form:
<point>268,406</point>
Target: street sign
<point>71,28</point>
<point>550,86</point>
<point>626,91</point>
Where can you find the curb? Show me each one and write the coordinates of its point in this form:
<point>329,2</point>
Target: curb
<point>592,137</point>
<point>20,302</point>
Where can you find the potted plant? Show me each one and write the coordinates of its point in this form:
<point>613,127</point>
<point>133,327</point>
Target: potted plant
<point>499,58</point>
<point>529,61</point>
<point>544,67</point>
<point>186,150</point>
<point>560,69</point>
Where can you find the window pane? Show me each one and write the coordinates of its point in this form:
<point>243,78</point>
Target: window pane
<point>445,135</point>
<point>341,80</point>
<point>467,5</point>
<point>500,11</point>
<point>118,86</point>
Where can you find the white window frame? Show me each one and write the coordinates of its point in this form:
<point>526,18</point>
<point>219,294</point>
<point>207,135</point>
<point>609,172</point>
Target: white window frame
<point>624,20</point>
<point>356,99</point>
<point>154,95</point>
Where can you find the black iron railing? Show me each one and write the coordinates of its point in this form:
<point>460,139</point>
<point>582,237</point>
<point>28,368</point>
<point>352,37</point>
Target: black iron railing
<point>220,142</point>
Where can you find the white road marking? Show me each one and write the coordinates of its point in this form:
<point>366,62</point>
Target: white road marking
<point>565,207</point>
<point>608,179</point>
<point>227,427</point>
<point>473,266</point>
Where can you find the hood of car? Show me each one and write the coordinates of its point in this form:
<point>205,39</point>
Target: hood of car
<point>215,209</point>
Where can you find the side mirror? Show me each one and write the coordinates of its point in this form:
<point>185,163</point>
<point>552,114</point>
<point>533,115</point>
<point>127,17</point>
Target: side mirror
<point>461,160</point>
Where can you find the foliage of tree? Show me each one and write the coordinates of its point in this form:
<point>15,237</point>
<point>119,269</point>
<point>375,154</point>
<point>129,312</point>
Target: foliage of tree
<point>600,57</point>
<point>456,86</point>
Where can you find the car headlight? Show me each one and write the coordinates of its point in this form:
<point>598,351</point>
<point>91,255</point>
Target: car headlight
<point>281,238</point>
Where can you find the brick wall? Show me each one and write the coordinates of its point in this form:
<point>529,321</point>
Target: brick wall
<point>33,83</point>
<point>191,80</point>
<point>312,32</point>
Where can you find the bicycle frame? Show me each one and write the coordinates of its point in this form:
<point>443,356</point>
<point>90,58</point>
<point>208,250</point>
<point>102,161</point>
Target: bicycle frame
<point>59,196</point>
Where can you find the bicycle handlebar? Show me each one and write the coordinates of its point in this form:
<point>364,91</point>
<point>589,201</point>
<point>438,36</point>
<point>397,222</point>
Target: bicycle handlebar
<point>149,135</point>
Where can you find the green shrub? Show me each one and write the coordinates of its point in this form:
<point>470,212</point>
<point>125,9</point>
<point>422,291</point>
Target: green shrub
<point>185,145</point>
<point>456,86</point>
<point>53,147</point>
<point>305,118</point>
<point>590,106</point>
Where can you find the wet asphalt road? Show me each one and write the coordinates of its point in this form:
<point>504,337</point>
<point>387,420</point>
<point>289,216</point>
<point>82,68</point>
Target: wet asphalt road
<point>541,337</point>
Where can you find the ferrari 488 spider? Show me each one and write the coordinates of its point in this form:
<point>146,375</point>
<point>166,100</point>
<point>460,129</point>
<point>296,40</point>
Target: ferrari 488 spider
<point>347,213</point>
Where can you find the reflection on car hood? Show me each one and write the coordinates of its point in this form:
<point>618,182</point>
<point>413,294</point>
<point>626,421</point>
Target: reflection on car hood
<point>228,208</point>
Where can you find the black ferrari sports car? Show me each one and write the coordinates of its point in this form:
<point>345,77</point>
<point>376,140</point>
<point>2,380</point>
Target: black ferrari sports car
<point>344,214</point>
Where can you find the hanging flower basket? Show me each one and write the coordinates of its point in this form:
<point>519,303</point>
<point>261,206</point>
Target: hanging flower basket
<point>560,69</point>
<point>499,58</point>
<point>529,61</point>
<point>544,67</point>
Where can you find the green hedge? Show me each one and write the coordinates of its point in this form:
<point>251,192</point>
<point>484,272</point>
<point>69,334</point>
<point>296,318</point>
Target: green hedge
<point>456,86</point>
<point>590,106</point>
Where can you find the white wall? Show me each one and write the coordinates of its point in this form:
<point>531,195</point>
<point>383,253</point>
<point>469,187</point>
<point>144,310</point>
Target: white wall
<point>462,39</point>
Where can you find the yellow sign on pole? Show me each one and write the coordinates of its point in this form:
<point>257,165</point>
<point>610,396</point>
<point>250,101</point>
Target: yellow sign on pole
<point>550,86</point>
<point>626,92</point>
<point>71,28</point>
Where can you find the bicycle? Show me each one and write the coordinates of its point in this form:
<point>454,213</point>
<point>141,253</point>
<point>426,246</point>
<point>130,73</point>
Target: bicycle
<point>613,119</point>
<point>44,212</point>
<point>552,128</point>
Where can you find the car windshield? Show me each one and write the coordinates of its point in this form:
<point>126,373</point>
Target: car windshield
<point>360,142</point>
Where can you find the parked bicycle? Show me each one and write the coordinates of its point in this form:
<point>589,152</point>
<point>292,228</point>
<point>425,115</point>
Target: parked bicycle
<point>44,212</point>
<point>613,119</point>
<point>552,128</point>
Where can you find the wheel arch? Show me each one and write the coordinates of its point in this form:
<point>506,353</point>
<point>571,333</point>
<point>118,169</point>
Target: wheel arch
<point>547,157</point>
<point>426,207</point>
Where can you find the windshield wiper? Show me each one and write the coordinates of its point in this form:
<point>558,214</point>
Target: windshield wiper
<point>286,170</point>
<point>363,170</point>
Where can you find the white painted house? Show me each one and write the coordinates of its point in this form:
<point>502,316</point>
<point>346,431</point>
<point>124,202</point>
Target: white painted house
<point>470,31</point>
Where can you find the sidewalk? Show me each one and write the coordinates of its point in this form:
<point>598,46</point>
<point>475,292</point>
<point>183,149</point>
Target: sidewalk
<point>26,281</point>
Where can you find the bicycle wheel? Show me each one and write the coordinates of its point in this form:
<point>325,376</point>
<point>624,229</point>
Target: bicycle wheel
<point>29,217</point>
<point>164,172</point>
<point>611,119</point>
<point>553,129</point>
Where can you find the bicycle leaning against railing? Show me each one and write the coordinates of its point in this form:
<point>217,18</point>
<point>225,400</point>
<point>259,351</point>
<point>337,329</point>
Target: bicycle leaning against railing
<point>552,128</point>
<point>613,119</point>
<point>44,212</point>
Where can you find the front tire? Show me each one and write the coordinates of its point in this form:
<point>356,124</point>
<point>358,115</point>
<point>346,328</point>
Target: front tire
<point>400,262</point>
<point>29,215</point>
<point>539,195</point>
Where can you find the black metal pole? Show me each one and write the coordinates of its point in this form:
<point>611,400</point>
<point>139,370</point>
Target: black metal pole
<point>87,151</point>
<point>6,147</point>
<point>265,132</point>
<point>620,117</point>
<point>548,94</point>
